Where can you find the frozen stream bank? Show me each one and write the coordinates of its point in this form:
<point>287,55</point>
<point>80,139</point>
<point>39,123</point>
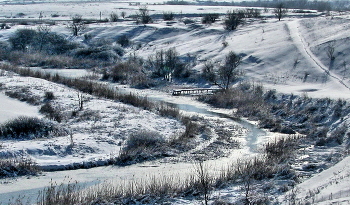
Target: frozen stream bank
<point>29,187</point>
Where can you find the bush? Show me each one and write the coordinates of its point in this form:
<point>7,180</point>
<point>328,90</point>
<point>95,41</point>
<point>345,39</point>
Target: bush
<point>209,18</point>
<point>143,15</point>
<point>49,96</point>
<point>119,73</point>
<point>29,128</point>
<point>22,39</point>
<point>233,20</point>
<point>123,41</point>
<point>188,21</point>
<point>168,16</point>
<point>50,112</point>
<point>41,41</point>
<point>104,53</point>
<point>53,43</point>
<point>114,17</point>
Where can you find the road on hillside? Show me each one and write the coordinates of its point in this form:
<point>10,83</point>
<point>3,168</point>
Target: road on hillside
<point>307,53</point>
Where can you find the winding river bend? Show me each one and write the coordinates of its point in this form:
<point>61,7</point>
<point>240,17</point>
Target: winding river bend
<point>28,187</point>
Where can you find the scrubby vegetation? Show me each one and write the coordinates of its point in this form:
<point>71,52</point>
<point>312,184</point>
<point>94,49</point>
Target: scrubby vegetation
<point>17,166</point>
<point>141,146</point>
<point>284,113</point>
<point>288,114</point>
<point>29,128</point>
<point>159,189</point>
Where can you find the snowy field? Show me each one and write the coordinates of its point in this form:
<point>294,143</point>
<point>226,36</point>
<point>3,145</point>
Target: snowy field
<point>288,56</point>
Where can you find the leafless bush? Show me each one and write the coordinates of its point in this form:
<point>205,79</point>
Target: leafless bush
<point>49,96</point>
<point>123,14</point>
<point>149,190</point>
<point>124,41</point>
<point>166,64</point>
<point>100,53</point>
<point>228,72</point>
<point>209,18</point>
<point>144,139</point>
<point>233,20</point>
<point>141,80</point>
<point>143,15</point>
<point>208,71</point>
<point>253,13</point>
<point>247,98</point>
<point>113,17</point>
<point>336,136</point>
<point>168,16</point>
<point>51,61</point>
<point>123,72</point>
<point>51,112</point>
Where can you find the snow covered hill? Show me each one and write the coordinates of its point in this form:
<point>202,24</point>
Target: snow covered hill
<point>290,56</point>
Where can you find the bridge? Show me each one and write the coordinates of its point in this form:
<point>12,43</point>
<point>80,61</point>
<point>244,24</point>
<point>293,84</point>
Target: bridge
<point>195,91</point>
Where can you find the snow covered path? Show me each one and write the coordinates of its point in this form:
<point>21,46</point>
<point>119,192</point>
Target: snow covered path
<point>306,52</point>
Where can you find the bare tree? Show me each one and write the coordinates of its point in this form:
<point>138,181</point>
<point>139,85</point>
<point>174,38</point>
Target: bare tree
<point>166,63</point>
<point>232,20</point>
<point>208,71</point>
<point>43,32</point>
<point>330,51</point>
<point>280,11</point>
<point>114,17</point>
<point>228,72</point>
<point>77,25</point>
<point>143,15</point>
<point>81,100</point>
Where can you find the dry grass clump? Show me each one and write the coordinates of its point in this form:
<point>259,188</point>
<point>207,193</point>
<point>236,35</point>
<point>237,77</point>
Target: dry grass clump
<point>168,111</point>
<point>17,166</point>
<point>145,191</point>
<point>29,128</point>
<point>141,146</point>
<point>24,94</point>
